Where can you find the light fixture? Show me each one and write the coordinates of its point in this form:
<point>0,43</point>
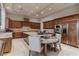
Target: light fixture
<point>42,12</point>
<point>32,11</point>
<point>50,8</point>
<point>19,6</point>
<point>37,15</point>
<point>8,8</point>
<point>37,7</point>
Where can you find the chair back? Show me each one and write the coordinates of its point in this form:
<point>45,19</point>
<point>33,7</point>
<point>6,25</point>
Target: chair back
<point>58,36</point>
<point>35,43</point>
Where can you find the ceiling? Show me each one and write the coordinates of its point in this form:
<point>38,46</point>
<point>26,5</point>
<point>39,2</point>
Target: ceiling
<point>35,10</point>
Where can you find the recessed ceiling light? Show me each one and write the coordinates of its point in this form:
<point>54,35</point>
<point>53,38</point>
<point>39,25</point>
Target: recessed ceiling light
<point>37,7</point>
<point>8,7</point>
<point>20,6</point>
<point>50,8</point>
<point>42,12</point>
<point>32,11</point>
<point>37,15</point>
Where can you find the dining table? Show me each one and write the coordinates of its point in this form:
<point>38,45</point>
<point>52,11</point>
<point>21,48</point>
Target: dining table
<point>47,41</point>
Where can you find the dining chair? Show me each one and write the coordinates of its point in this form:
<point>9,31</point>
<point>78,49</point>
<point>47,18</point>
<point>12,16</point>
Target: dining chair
<point>35,44</point>
<point>58,36</point>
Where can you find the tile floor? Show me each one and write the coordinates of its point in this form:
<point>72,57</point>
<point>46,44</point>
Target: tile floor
<point>20,48</point>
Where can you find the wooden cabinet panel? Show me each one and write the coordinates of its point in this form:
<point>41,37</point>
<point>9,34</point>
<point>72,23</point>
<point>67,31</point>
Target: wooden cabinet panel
<point>37,25</point>
<point>64,33</point>
<point>14,24</point>
<point>17,34</point>
<point>34,25</point>
<point>26,19</point>
<point>8,45</point>
<point>73,33</point>
<point>70,37</point>
<point>25,23</point>
<point>48,25</point>
<point>20,24</point>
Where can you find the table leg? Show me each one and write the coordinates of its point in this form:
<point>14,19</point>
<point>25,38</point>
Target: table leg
<point>55,47</point>
<point>45,51</point>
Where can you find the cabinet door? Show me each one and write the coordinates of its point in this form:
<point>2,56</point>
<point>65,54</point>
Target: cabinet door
<point>64,33</point>
<point>17,24</point>
<point>8,45</point>
<point>25,23</point>
<point>72,27</point>
<point>14,24</point>
<point>17,34</point>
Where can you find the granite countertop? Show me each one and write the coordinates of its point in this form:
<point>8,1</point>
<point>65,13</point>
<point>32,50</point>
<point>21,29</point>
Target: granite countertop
<point>6,35</point>
<point>5,30</point>
<point>23,30</point>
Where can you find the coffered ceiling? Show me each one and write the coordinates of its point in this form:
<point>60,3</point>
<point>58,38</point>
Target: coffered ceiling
<point>35,10</point>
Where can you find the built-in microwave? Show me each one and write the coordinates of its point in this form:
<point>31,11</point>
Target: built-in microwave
<point>58,28</point>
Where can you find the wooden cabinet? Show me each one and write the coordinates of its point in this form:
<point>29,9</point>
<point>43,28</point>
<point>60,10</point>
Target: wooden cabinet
<point>8,45</point>
<point>17,34</point>
<point>14,24</point>
<point>70,37</point>
<point>64,33</point>
<point>26,22</point>
<point>48,25</point>
<point>34,25</point>
<point>20,24</point>
<point>52,23</point>
<point>72,33</point>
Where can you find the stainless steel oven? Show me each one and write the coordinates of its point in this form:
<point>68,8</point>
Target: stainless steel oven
<point>58,28</point>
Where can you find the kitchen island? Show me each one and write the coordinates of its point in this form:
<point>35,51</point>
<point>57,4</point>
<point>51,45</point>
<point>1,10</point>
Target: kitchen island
<point>6,38</point>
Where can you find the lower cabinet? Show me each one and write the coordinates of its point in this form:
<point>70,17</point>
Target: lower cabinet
<point>8,45</point>
<point>17,34</point>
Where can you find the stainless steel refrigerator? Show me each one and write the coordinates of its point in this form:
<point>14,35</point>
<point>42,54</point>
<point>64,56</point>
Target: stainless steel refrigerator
<point>70,33</point>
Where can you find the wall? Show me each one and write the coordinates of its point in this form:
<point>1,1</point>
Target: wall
<point>62,13</point>
<point>2,18</point>
<point>21,18</point>
<point>65,12</point>
<point>15,17</point>
<point>34,20</point>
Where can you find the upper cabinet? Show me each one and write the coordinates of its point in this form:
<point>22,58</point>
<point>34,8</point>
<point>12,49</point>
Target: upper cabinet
<point>34,25</point>
<point>26,22</point>
<point>20,24</point>
<point>50,24</point>
<point>14,24</point>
